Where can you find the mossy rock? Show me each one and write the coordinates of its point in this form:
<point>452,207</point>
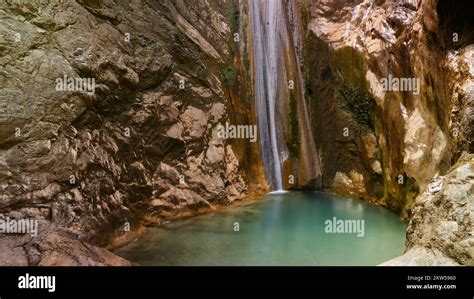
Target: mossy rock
<point>358,104</point>
<point>229,76</point>
<point>292,140</point>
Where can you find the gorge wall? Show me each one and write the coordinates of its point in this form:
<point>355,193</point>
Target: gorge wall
<point>145,147</point>
<point>390,146</point>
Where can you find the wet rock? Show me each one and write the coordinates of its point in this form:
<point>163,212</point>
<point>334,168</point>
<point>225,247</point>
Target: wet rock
<point>351,185</point>
<point>215,153</point>
<point>376,167</point>
<point>418,134</point>
<point>165,171</point>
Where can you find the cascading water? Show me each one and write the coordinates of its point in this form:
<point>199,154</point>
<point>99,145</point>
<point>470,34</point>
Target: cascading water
<point>265,83</point>
<point>274,65</point>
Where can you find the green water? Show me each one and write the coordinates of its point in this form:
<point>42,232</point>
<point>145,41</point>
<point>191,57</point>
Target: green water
<point>284,229</point>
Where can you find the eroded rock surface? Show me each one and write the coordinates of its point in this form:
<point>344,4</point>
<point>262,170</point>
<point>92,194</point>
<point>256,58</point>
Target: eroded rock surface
<point>141,146</point>
<point>396,140</point>
<point>54,248</point>
<point>441,231</point>
<point>396,148</point>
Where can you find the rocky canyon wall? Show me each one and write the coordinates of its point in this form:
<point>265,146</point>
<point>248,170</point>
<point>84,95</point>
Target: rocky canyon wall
<point>141,148</point>
<point>390,146</point>
<point>144,147</point>
<point>376,143</point>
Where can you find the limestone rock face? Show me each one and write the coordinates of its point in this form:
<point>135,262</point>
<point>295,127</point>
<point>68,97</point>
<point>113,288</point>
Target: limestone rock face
<point>421,256</point>
<point>139,144</point>
<point>352,185</point>
<point>396,148</point>
<point>54,248</point>
<point>441,229</point>
<point>424,147</point>
<point>367,25</point>
<point>348,48</point>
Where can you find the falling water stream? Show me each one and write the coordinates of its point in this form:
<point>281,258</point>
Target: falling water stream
<point>275,65</point>
<point>264,27</point>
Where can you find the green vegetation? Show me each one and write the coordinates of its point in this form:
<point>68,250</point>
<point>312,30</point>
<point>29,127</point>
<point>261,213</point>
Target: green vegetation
<point>229,73</point>
<point>233,19</point>
<point>358,104</point>
<point>229,76</point>
<point>246,61</point>
<point>292,141</point>
<point>350,67</point>
<point>233,16</point>
<point>305,16</point>
<point>351,88</point>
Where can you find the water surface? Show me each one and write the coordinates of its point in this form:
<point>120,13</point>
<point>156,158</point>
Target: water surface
<point>282,229</point>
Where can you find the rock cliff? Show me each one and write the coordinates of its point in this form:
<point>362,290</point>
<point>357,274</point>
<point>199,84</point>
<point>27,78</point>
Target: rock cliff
<point>384,145</point>
<point>441,229</point>
<point>390,144</point>
<point>140,147</point>
<point>110,115</point>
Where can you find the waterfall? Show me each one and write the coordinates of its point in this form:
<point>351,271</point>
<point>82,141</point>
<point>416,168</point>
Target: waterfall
<point>274,64</point>
<point>264,53</point>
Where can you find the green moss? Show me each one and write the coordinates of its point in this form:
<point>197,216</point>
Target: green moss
<point>349,66</point>
<point>351,86</point>
<point>246,61</point>
<point>358,104</point>
<point>292,141</point>
<point>229,76</point>
<point>305,16</point>
<point>233,17</point>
